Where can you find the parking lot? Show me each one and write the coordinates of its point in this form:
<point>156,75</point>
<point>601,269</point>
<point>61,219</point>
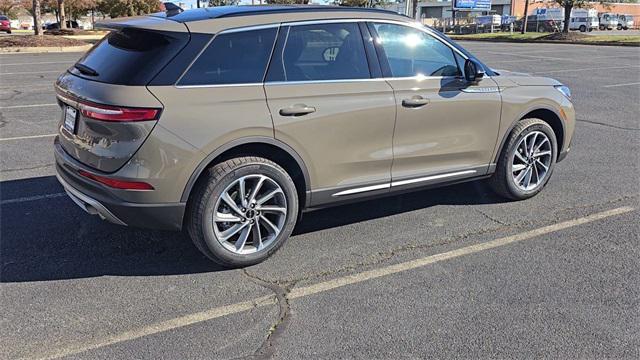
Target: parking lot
<point>451,272</point>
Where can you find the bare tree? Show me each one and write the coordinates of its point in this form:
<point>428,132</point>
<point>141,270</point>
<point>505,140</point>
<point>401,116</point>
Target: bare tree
<point>62,14</point>
<point>37,18</point>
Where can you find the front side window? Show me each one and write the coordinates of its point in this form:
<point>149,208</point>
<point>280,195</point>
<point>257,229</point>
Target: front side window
<point>233,58</point>
<point>318,52</point>
<point>411,52</point>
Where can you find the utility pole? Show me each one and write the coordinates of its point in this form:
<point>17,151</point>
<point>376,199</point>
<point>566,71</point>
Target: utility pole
<point>526,16</point>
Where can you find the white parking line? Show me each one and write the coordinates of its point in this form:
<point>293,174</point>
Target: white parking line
<point>32,198</point>
<point>587,69</point>
<point>27,106</point>
<point>616,85</point>
<point>33,72</point>
<point>222,311</point>
<point>40,63</point>
<point>28,137</point>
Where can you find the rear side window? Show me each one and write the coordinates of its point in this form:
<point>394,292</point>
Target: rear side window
<point>130,56</point>
<point>233,58</point>
<point>331,51</point>
<point>411,52</point>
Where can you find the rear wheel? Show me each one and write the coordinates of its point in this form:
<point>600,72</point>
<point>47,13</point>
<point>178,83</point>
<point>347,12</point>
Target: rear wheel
<point>583,28</point>
<point>619,27</point>
<point>527,160</point>
<point>242,211</point>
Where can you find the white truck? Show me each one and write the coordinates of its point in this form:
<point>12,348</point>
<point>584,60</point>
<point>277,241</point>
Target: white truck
<point>584,20</point>
<point>608,21</point>
<point>625,22</point>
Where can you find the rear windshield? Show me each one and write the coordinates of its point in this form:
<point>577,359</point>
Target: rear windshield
<point>130,56</point>
<point>4,18</point>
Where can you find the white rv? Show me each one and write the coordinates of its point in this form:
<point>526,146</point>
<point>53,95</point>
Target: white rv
<point>584,20</point>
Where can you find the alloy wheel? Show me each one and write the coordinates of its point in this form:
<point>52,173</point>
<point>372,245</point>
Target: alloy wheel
<point>531,161</point>
<point>250,214</point>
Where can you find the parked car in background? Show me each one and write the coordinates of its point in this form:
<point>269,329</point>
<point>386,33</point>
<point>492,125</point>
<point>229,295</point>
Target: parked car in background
<point>625,22</point>
<point>608,21</point>
<point>584,20</point>
<point>168,124</point>
<point>71,24</point>
<point>536,24</point>
<point>5,24</point>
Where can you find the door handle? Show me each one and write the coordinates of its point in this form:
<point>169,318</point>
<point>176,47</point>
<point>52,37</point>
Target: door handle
<point>415,102</point>
<point>297,110</point>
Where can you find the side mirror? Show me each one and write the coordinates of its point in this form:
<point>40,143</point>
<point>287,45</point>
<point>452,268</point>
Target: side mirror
<point>473,71</point>
<point>330,54</point>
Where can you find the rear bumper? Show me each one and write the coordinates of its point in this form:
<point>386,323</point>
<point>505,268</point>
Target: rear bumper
<point>96,199</point>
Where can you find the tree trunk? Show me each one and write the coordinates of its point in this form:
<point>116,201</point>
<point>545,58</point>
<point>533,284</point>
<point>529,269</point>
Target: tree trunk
<point>567,16</point>
<point>63,17</point>
<point>37,18</point>
<point>526,17</point>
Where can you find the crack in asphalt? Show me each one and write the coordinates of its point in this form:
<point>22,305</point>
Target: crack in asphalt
<point>607,125</point>
<point>277,330</point>
<point>491,218</point>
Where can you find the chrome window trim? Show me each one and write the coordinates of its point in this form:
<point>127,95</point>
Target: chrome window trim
<point>411,24</point>
<point>217,85</point>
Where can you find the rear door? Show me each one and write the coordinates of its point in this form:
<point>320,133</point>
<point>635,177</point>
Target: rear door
<point>327,104</point>
<point>446,128</point>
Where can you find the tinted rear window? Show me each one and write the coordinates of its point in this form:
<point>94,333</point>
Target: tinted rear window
<point>233,58</point>
<point>131,56</point>
<point>4,18</point>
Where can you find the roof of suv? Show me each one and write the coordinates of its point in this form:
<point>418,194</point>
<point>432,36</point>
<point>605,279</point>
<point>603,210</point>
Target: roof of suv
<point>248,10</point>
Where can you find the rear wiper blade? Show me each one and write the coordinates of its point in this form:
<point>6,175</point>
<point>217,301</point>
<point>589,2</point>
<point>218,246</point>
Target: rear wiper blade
<point>85,70</point>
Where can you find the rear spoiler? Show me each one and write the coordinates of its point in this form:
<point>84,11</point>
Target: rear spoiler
<point>148,22</point>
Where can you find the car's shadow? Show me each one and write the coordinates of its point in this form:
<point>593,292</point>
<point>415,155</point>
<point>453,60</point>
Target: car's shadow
<point>49,238</point>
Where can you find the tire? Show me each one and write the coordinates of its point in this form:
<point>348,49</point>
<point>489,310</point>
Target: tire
<point>619,27</point>
<point>206,200</point>
<point>601,27</point>
<point>583,28</point>
<point>502,181</point>
<point>590,29</point>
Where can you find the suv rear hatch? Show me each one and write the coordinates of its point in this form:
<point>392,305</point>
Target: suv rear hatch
<point>107,111</point>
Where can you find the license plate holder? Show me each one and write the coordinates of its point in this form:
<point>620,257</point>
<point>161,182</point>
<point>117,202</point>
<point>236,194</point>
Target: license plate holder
<point>70,118</point>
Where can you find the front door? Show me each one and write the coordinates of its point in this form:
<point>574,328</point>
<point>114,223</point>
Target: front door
<point>446,128</point>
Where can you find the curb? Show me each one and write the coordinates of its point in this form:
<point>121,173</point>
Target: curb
<point>45,49</point>
<point>592,43</point>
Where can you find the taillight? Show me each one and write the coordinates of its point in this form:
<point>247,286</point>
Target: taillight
<point>117,184</point>
<point>117,113</point>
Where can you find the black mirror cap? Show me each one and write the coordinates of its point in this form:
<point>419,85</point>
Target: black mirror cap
<point>473,71</point>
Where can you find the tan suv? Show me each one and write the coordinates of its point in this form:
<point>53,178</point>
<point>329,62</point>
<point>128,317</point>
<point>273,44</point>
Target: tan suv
<point>228,122</point>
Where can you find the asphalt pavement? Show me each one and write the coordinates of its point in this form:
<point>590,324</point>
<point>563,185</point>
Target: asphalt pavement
<point>451,272</point>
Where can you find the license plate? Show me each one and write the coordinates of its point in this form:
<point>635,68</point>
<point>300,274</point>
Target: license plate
<point>70,115</point>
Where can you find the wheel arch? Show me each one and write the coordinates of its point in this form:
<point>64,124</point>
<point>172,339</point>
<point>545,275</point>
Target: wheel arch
<point>266,147</point>
<point>546,114</point>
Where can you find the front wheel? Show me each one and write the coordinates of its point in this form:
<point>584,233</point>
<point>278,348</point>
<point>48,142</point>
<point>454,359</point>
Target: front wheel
<point>583,28</point>
<point>242,211</point>
<point>527,160</point>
